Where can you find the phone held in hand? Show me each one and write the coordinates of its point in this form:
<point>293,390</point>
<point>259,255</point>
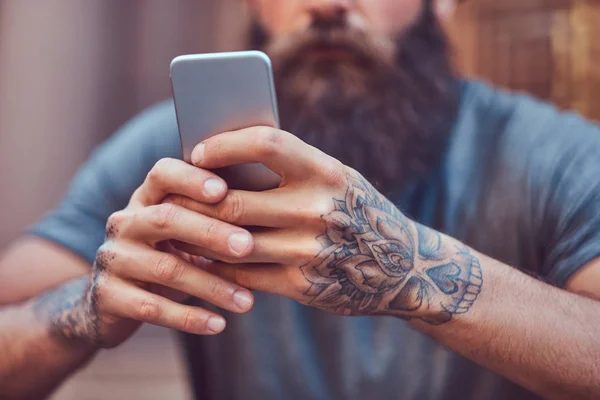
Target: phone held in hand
<point>221,92</point>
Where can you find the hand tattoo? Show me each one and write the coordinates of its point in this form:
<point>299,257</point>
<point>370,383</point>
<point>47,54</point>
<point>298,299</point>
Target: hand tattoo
<point>376,261</point>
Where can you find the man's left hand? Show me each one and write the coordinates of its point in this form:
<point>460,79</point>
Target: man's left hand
<point>326,237</point>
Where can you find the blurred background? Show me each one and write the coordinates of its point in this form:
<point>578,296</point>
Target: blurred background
<point>72,71</point>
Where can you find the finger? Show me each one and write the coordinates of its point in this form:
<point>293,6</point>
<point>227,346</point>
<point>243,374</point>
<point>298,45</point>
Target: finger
<point>154,224</point>
<point>284,246</point>
<point>280,151</point>
<point>149,265</point>
<point>287,247</point>
<point>170,246</point>
<point>278,208</point>
<point>175,176</point>
<point>267,278</point>
<point>129,301</point>
<point>206,253</point>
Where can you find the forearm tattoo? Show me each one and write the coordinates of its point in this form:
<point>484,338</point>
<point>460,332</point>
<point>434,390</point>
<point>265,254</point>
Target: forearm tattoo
<point>376,261</point>
<point>69,311</point>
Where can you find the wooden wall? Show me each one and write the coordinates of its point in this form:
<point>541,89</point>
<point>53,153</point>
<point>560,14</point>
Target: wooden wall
<point>550,48</point>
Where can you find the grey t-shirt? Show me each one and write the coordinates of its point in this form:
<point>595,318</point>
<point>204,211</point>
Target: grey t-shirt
<point>519,182</point>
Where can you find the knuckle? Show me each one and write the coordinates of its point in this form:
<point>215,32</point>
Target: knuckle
<point>114,223</point>
<point>217,288</point>
<point>189,177</point>
<point>270,140</point>
<point>164,164</point>
<point>157,172</point>
<point>232,209</point>
<point>306,253</point>
<point>313,214</point>
<point>212,230</point>
<point>162,216</point>
<point>148,310</point>
<point>297,282</point>
<point>100,287</point>
<point>168,269</point>
<point>332,172</point>
<point>105,257</point>
<point>189,322</point>
<point>324,205</point>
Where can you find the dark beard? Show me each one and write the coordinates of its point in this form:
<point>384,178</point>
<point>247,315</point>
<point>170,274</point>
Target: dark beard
<point>388,119</point>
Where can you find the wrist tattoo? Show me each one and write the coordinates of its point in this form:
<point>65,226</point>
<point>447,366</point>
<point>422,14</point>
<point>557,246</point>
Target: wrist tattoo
<point>374,260</point>
<point>70,313</point>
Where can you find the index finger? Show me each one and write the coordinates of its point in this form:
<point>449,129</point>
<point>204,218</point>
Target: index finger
<point>280,151</point>
<point>170,176</point>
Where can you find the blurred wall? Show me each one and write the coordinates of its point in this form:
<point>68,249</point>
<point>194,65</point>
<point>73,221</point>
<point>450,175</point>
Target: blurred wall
<point>72,71</point>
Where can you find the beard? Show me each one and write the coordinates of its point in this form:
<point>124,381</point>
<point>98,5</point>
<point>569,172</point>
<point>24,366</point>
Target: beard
<point>385,109</point>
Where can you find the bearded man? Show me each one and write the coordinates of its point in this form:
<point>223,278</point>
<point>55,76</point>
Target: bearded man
<point>432,237</point>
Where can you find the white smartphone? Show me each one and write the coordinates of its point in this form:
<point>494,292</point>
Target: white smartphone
<point>221,92</point>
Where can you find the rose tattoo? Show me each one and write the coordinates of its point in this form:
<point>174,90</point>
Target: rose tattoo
<point>376,261</point>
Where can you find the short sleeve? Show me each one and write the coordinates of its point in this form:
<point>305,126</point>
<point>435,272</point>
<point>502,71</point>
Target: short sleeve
<point>564,172</point>
<point>107,180</point>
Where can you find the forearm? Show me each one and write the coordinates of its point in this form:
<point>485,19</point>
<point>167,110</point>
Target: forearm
<point>35,358</point>
<point>541,337</point>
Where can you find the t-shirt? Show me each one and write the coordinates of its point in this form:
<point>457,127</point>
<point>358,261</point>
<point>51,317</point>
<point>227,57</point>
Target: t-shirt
<point>519,181</point>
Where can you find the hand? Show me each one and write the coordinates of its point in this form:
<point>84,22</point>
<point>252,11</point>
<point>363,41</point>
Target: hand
<point>138,275</point>
<point>331,240</point>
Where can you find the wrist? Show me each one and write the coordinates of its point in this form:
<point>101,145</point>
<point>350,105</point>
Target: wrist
<point>64,314</point>
<point>445,280</point>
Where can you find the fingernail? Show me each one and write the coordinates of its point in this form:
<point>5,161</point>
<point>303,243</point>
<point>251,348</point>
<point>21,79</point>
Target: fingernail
<point>242,299</point>
<point>238,242</point>
<point>198,154</point>
<point>215,324</point>
<point>213,187</point>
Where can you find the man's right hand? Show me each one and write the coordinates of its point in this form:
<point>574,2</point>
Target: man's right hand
<point>138,276</point>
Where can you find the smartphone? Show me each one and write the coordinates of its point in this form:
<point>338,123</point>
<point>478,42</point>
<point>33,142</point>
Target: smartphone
<point>221,92</point>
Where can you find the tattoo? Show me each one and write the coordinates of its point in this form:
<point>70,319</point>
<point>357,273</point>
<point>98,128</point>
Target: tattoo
<point>65,311</point>
<point>71,309</point>
<point>112,230</point>
<point>374,260</point>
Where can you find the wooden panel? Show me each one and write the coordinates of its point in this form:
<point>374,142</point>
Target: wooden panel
<point>549,48</point>
<point>562,92</point>
<point>516,52</point>
<point>585,46</point>
<point>497,9</point>
<point>462,30</point>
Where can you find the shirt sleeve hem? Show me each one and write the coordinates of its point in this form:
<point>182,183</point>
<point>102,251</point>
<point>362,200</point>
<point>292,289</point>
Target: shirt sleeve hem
<point>560,275</point>
<point>64,242</point>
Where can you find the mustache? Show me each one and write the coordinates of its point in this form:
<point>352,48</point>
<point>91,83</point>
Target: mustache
<point>291,50</point>
<point>390,123</point>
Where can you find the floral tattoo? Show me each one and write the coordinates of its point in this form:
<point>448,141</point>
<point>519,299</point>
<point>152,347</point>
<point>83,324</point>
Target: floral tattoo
<point>376,261</point>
